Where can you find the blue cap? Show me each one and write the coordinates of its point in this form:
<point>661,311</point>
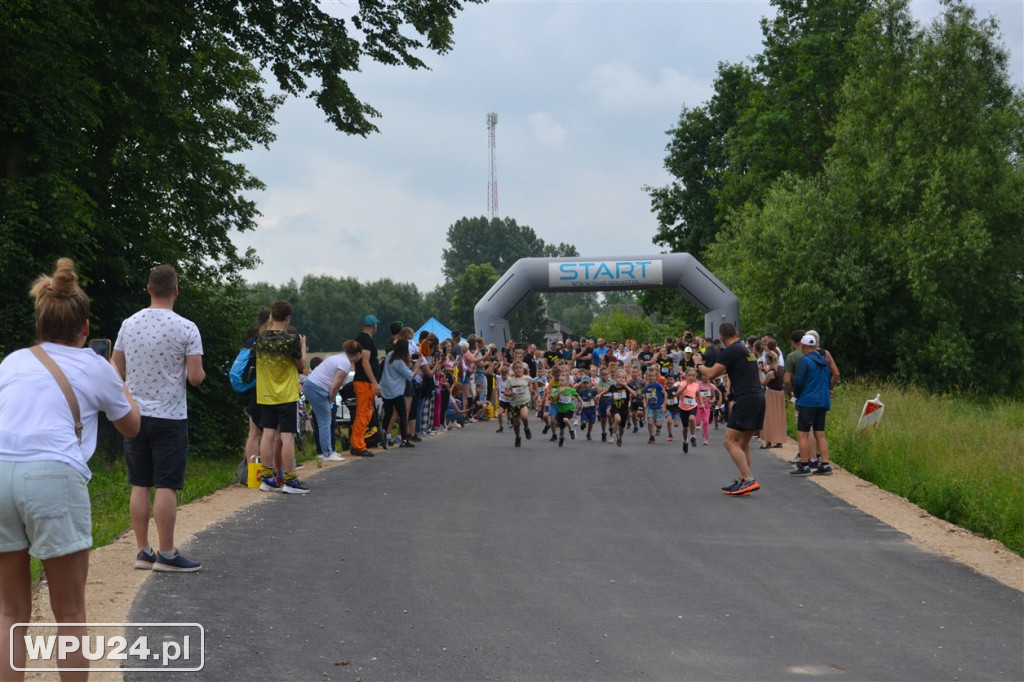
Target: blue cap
<point>370,320</point>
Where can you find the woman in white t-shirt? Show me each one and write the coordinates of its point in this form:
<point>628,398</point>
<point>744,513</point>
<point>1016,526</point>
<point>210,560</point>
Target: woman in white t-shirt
<point>44,463</point>
<point>321,386</point>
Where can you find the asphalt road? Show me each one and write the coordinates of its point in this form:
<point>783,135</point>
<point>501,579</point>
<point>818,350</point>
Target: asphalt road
<point>469,559</point>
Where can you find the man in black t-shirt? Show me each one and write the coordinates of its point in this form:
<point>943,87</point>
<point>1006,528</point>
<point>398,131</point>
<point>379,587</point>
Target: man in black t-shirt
<point>366,386</point>
<point>746,416</point>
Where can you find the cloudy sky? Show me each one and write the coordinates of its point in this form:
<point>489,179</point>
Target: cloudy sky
<point>584,91</point>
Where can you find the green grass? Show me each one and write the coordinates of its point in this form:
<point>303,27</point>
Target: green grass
<point>109,492</point>
<point>960,459</point>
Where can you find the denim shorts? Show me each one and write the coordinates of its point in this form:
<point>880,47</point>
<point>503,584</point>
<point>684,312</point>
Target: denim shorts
<point>44,508</point>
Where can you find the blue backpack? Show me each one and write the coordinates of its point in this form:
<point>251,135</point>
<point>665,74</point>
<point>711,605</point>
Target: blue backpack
<point>243,371</point>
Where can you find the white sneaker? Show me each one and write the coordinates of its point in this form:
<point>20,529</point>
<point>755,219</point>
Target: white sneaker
<point>334,457</point>
<point>457,425</point>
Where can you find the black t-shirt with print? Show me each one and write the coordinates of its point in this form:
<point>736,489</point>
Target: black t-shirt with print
<point>741,366</point>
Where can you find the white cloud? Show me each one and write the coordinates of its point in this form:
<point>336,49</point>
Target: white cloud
<point>620,87</point>
<point>546,130</point>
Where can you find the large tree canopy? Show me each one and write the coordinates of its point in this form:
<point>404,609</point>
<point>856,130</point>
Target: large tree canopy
<point>907,250</point>
<point>772,117</point>
<point>119,120</point>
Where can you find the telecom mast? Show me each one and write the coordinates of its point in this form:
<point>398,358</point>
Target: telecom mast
<point>492,183</point>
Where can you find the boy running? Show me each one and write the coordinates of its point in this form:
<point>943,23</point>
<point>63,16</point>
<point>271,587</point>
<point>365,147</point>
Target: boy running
<point>564,399</point>
<point>588,411</point>
<point>654,397</point>
<point>519,389</point>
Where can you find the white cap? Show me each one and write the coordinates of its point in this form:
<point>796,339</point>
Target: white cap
<point>809,340</point>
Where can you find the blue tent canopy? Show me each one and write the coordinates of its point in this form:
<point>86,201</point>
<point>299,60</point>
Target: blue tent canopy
<point>432,325</point>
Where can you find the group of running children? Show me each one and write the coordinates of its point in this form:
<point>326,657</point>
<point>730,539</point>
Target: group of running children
<point>619,397</point>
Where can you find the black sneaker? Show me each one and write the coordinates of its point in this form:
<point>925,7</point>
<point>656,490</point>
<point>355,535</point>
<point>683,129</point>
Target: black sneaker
<point>736,483</point>
<point>500,429</point>
<point>526,432</point>
<point>635,428</point>
<point>360,453</point>
<point>561,441</point>
<point>650,440</point>
<point>519,442</point>
<point>604,437</point>
<point>686,446</point>
<point>588,437</point>
<point>572,434</point>
<point>693,440</point>
<point>407,444</point>
<point>801,470</point>
<point>618,440</point>
<point>547,427</point>
<point>824,469</point>
<point>553,438</point>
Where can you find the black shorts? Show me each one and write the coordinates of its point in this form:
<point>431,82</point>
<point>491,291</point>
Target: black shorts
<point>504,405</point>
<point>253,408</point>
<point>811,418</point>
<point>747,413</point>
<point>684,416</point>
<point>283,417</point>
<point>156,458</point>
<point>410,389</point>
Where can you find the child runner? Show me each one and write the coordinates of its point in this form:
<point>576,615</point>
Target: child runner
<point>620,393</point>
<point>654,396</point>
<point>519,389</point>
<point>564,398</point>
<point>588,411</point>
<point>636,402</point>
<point>671,408</point>
<point>550,407</point>
<point>687,392</point>
<point>705,399</point>
<point>503,404</point>
<point>604,401</point>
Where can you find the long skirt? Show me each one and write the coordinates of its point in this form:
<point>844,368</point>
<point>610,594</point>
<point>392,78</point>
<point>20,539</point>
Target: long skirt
<point>774,430</point>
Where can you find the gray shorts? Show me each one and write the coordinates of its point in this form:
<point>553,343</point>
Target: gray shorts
<point>44,508</point>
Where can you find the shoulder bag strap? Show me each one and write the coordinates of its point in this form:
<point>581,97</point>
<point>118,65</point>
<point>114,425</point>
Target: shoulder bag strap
<point>65,387</point>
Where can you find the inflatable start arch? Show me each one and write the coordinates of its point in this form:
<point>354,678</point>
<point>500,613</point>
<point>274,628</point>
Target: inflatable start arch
<point>679,271</point>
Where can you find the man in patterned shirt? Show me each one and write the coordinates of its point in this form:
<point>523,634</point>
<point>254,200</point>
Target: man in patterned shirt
<point>156,352</point>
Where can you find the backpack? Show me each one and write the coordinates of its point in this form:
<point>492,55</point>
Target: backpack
<point>243,371</point>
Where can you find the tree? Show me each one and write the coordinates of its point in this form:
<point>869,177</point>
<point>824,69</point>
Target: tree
<point>687,208</point>
<point>910,240</point>
<point>119,122</point>
<point>500,242</point>
<point>764,120</point>
<point>469,288</point>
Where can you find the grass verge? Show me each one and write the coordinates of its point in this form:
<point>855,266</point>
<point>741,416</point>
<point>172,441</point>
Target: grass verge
<point>109,492</point>
<point>960,459</point>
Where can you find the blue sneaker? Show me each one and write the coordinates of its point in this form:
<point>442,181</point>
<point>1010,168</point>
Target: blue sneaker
<point>175,564</point>
<point>270,484</point>
<point>727,489</point>
<point>144,560</point>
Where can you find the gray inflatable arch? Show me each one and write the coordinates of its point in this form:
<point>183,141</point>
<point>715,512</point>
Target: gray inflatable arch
<point>679,271</point>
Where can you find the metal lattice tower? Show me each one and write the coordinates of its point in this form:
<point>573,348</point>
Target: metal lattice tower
<point>492,183</point>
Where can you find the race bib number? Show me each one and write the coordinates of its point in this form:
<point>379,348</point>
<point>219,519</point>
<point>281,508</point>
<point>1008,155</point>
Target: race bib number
<point>690,401</point>
<point>651,394</point>
<point>518,390</point>
<point>588,403</point>
<point>672,401</point>
<point>705,394</point>
<point>565,399</point>
<point>619,395</point>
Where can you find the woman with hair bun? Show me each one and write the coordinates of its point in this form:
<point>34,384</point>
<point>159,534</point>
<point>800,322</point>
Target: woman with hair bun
<point>44,469</point>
